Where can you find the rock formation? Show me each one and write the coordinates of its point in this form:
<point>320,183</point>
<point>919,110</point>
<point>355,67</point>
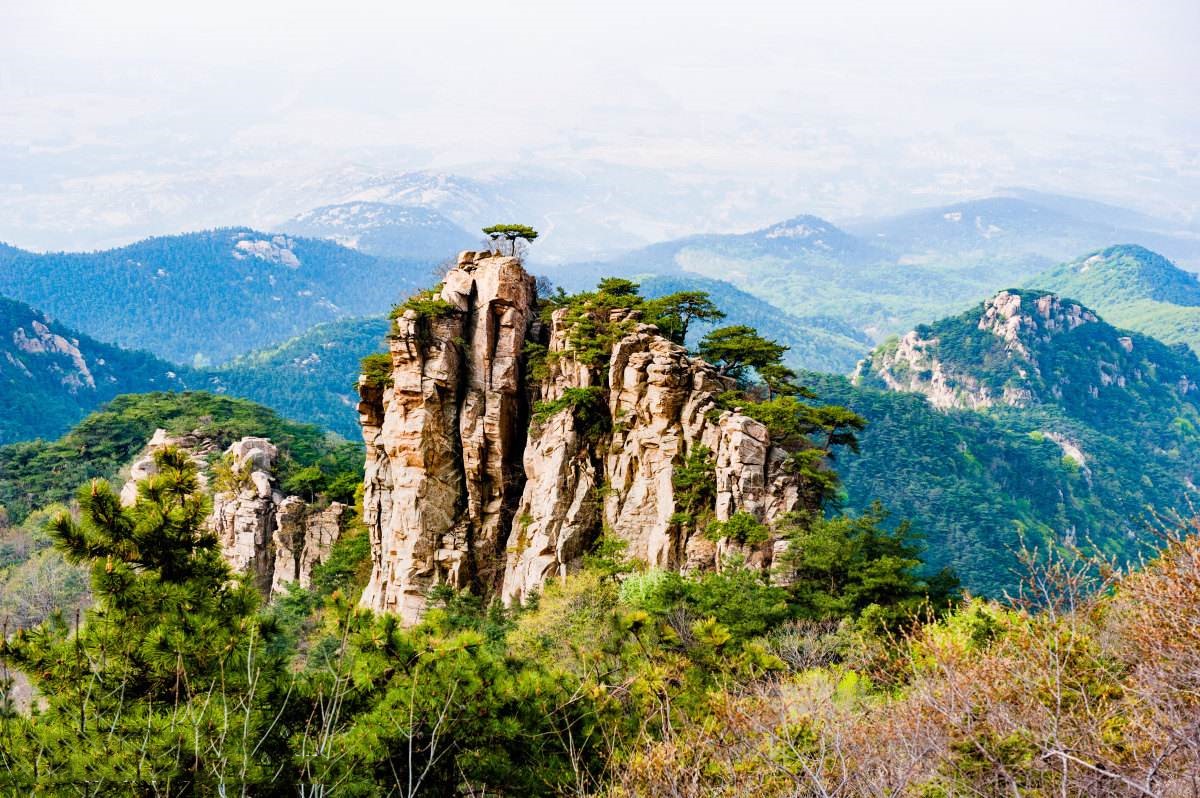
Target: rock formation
<point>456,490</point>
<point>1016,327</point>
<point>275,539</point>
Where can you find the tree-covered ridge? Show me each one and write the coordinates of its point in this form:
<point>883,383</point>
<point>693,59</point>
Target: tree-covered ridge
<point>1121,274</point>
<point>309,378</point>
<point>207,297</point>
<point>39,473</point>
<point>1032,349</point>
<point>51,375</point>
<point>1134,288</point>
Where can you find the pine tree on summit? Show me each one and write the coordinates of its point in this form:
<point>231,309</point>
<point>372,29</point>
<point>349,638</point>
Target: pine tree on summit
<point>512,233</point>
<point>735,348</point>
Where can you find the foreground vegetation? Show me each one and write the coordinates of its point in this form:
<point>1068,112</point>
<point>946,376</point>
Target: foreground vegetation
<point>38,481</point>
<point>850,678</point>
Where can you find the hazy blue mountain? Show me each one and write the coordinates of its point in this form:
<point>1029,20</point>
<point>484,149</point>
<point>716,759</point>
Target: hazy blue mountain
<point>209,296</point>
<point>51,376</point>
<point>378,228</point>
<point>809,268</point>
<point>1135,288</point>
<point>1092,210</point>
<point>1021,232</point>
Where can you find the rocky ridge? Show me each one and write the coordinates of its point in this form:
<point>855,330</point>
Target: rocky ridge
<point>1014,326</point>
<point>479,475</point>
<point>276,539</point>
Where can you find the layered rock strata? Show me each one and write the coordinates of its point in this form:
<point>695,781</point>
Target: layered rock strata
<point>456,491</point>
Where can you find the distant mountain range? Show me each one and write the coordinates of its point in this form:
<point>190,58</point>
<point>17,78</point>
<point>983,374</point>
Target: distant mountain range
<point>883,276</point>
<point>207,297</point>
<point>385,230</point>
<point>1015,230</point>
<point>236,305</point>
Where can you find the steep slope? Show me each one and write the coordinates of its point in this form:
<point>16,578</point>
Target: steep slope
<point>1135,288</point>
<point>381,229</point>
<point>1123,408</point>
<point>206,296</point>
<point>51,375</point>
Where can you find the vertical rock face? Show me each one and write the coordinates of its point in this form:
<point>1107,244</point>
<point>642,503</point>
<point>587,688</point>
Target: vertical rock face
<point>456,491</point>
<point>275,539</point>
<point>444,441</point>
<point>302,539</point>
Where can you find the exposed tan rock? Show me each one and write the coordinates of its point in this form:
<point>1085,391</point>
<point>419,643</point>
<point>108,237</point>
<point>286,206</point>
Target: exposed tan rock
<point>914,366</point>
<point>456,492</point>
<point>303,538</point>
<point>276,540</point>
<point>445,439</point>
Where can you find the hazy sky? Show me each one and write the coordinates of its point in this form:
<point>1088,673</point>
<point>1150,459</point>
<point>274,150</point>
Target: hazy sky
<point>136,115</point>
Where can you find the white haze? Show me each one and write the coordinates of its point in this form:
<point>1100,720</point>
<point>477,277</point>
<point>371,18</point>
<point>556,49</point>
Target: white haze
<point>121,119</point>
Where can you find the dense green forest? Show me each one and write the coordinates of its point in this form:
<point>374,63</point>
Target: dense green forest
<point>51,376</point>
<point>203,298</point>
<point>974,485</point>
<point>1135,288</point>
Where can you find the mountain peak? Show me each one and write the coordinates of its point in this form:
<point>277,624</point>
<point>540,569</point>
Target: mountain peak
<point>799,227</point>
<point>1023,348</point>
<point>1120,274</point>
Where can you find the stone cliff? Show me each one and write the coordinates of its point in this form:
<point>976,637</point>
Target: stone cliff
<point>276,539</point>
<point>480,475</point>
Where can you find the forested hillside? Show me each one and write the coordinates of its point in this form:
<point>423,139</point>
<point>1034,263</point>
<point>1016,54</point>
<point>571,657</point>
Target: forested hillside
<point>1135,288</point>
<point>1122,409</point>
<point>203,298</point>
<point>51,375</point>
<point>310,378</point>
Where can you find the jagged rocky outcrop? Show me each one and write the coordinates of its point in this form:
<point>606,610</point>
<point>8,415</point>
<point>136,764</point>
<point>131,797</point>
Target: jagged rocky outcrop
<point>276,539</point>
<point>457,491</point>
<point>1010,333</point>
